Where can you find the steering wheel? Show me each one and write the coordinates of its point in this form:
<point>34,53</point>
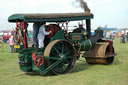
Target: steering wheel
<point>53,28</point>
<point>48,36</point>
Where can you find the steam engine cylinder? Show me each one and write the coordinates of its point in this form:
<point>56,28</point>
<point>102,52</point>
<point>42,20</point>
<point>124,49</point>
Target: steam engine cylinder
<point>85,45</point>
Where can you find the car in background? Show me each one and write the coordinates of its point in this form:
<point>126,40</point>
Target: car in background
<point>5,35</point>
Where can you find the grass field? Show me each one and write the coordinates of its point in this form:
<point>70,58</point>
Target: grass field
<point>82,74</point>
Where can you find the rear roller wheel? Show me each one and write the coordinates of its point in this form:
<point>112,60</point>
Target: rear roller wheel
<point>56,50</point>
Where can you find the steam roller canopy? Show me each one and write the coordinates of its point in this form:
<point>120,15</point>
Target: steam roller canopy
<point>100,54</point>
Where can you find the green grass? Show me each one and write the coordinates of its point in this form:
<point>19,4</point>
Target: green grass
<point>82,73</point>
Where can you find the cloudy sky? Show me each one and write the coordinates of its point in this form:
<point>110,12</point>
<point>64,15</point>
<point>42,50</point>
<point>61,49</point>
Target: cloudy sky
<point>113,13</point>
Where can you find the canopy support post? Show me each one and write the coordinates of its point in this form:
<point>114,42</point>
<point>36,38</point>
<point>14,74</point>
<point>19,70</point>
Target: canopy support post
<point>67,26</point>
<point>24,33</point>
<point>88,26</point>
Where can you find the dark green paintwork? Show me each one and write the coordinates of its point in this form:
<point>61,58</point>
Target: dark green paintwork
<point>58,36</point>
<point>16,17</point>
<point>51,66</point>
<point>25,56</point>
<point>85,45</point>
<point>50,17</point>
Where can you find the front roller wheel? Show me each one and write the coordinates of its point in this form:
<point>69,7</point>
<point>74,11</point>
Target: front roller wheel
<point>100,54</point>
<point>60,49</point>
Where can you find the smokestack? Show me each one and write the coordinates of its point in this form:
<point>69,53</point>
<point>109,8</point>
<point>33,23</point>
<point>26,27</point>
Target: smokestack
<point>84,5</point>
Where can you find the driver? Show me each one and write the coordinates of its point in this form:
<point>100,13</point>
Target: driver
<point>41,34</point>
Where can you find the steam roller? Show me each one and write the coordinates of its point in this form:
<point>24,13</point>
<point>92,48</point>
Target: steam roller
<point>62,48</point>
<point>102,53</point>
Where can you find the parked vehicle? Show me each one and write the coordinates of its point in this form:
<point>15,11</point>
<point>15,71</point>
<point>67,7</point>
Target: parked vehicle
<point>5,35</point>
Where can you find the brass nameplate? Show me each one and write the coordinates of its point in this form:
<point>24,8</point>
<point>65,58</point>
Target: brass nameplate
<point>76,37</point>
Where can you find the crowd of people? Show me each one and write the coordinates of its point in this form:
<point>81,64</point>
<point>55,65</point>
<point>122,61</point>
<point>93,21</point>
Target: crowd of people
<point>111,36</point>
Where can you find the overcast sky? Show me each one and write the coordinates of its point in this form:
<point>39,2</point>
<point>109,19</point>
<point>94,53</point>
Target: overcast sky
<point>113,13</point>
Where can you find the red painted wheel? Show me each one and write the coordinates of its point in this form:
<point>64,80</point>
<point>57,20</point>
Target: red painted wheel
<point>38,60</point>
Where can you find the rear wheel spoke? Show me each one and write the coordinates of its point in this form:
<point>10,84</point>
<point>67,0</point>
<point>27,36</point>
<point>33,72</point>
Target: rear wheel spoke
<point>57,68</point>
<point>69,56</point>
<point>56,50</point>
<point>66,49</point>
<point>54,58</point>
<point>62,48</point>
<point>67,53</point>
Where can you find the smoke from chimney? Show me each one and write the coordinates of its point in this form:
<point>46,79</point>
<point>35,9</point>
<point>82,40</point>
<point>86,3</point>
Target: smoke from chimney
<point>84,5</point>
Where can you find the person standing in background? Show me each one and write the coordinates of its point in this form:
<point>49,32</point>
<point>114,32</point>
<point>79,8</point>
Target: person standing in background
<point>11,44</point>
<point>122,38</point>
